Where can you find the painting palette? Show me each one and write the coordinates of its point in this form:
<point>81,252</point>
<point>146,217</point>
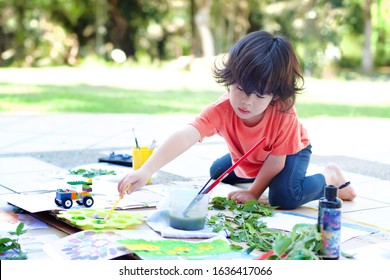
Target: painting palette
<point>87,218</point>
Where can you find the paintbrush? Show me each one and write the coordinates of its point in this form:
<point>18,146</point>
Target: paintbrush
<point>198,197</point>
<point>227,172</point>
<point>136,140</point>
<point>151,147</point>
<point>220,178</point>
<point>115,204</point>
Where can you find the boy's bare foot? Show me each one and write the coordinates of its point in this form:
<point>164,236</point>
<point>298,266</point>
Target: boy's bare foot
<point>334,176</point>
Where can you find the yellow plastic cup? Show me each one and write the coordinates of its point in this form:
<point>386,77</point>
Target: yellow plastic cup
<point>140,156</point>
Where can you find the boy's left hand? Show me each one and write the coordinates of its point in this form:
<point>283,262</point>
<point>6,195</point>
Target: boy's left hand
<point>242,196</point>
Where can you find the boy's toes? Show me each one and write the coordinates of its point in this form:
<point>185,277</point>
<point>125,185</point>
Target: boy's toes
<point>347,193</point>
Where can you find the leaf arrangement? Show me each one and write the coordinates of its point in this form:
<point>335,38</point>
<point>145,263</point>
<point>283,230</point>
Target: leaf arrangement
<point>9,244</point>
<point>302,243</point>
<point>91,172</point>
<point>244,226</point>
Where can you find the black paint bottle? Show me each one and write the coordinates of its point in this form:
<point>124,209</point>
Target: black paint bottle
<point>329,223</point>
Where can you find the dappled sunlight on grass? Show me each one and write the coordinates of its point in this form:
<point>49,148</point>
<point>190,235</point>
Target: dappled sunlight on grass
<point>17,89</point>
<point>103,99</point>
<point>157,91</point>
<point>13,107</point>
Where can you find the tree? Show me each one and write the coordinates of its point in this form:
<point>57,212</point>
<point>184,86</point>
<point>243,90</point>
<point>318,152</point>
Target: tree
<point>367,57</point>
<point>202,21</point>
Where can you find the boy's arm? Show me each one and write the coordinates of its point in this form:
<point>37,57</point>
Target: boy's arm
<point>271,167</point>
<point>173,146</point>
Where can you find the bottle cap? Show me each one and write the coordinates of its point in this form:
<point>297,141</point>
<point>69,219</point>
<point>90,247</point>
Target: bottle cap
<point>330,192</point>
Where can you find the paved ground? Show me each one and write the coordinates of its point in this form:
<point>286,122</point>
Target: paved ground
<point>35,144</point>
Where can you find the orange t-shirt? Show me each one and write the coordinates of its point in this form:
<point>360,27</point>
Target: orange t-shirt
<point>284,134</point>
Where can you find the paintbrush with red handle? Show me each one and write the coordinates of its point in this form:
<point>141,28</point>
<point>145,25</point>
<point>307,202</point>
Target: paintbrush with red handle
<point>227,172</point>
<point>204,190</point>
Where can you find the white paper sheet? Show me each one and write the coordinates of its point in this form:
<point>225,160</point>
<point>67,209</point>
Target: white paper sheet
<point>287,220</point>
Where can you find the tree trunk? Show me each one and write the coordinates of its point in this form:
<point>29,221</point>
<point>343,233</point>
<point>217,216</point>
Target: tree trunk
<point>367,60</point>
<point>120,32</point>
<point>202,20</point>
<point>20,34</point>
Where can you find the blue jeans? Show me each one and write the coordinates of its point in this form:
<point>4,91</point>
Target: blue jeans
<point>290,188</point>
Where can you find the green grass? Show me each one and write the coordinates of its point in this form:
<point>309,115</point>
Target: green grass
<point>161,92</point>
<point>309,110</point>
<point>103,99</point>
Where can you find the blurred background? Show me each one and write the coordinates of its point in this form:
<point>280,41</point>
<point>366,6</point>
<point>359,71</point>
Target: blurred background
<point>340,33</point>
<point>55,48</point>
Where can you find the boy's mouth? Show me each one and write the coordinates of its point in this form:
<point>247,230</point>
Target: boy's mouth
<point>243,110</point>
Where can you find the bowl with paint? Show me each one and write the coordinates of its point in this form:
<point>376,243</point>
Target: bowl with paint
<point>187,209</point>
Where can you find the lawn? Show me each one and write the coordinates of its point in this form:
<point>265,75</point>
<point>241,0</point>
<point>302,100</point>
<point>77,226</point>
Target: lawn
<point>165,91</point>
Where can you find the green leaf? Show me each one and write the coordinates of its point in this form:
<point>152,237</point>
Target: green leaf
<point>7,243</point>
<point>250,249</point>
<point>347,255</point>
<point>19,229</point>
<point>250,228</point>
<point>236,247</point>
<point>281,244</point>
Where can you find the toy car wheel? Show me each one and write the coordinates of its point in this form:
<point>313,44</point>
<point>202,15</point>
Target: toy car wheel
<point>67,203</point>
<point>57,202</point>
<point>88,201</point>
<point>79,202</point>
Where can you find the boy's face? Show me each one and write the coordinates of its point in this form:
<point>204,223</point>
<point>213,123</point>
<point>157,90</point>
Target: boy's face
<point>249,108</point>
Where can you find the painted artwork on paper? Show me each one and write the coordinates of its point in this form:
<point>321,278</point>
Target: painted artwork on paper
<point>87,245</point>
<point>9,219</point>
<point>91,218</point>
<point>215,248</point>
<point>31,245</point>
<point>94,245</point>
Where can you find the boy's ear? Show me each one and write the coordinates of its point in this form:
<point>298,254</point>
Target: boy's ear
<point>274,99</point>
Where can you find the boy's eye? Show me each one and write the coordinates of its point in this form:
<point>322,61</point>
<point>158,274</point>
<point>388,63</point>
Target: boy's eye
<point>260,95</point>
<point>239,88</point>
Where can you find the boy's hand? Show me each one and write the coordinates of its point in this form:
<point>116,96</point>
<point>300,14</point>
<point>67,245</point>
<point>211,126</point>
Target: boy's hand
<point>137,179</point>
<point>242,196</point>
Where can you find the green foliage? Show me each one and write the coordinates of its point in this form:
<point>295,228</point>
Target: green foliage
<point>302,243</point>
<point>90,173</point>
<point>244,226</point>
<point>44,32</point>
<point>10,244</point>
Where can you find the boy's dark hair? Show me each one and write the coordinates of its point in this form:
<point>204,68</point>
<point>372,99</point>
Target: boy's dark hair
<point>263,64</point>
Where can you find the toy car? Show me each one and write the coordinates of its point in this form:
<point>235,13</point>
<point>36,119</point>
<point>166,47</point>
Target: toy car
<point>66,197</point>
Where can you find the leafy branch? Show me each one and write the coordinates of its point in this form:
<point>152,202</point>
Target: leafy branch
<point>91,172</point>
<point>8,244</point>
<point>244,226</point>
<point>302,243</point>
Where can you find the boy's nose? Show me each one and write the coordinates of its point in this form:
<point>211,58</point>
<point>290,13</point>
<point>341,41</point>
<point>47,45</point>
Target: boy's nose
<point>246,100</point>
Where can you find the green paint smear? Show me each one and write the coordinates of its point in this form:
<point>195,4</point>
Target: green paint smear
<point>168,247</point>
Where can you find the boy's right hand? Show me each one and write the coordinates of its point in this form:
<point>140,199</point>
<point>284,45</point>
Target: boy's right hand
<point>137,179</point>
